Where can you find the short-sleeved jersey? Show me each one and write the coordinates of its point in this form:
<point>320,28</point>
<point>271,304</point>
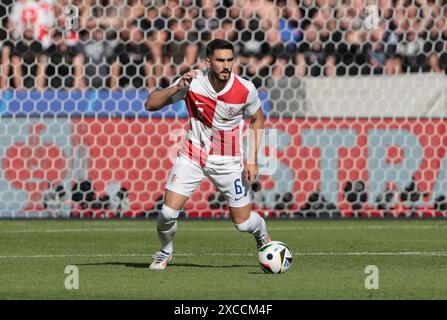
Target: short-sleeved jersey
<point>216,120</point>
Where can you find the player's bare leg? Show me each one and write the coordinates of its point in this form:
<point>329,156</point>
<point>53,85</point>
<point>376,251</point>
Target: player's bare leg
<point>175,200</point>
<point>167,227</point>
<point>246,220</point>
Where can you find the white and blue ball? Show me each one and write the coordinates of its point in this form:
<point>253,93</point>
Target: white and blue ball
<point>275,257</point>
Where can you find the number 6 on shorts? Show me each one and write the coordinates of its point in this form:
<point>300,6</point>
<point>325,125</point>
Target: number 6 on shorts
<point>237,186</point>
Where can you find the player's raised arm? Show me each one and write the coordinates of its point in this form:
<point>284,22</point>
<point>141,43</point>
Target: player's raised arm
<point>162,97</point>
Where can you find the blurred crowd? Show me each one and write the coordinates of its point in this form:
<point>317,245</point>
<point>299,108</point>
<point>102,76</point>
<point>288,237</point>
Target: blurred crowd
<point>145,44</point>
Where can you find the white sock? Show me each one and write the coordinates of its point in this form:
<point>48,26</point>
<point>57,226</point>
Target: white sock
<point>167,227</point>
<point>254,224</point>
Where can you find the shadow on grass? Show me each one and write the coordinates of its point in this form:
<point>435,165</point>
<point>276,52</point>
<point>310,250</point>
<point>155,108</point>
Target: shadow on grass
<point>171,265</point>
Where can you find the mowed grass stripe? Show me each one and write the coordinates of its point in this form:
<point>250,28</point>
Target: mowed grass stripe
<point>224,229</point>
<point>215,261</point>
<point>99,255</point>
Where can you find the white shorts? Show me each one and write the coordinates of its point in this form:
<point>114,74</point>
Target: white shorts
<point>186,176</point>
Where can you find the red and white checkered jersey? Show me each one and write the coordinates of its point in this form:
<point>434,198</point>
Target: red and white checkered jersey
<point>216,119</point>
<point>37,16</point>
<point>24,15</point>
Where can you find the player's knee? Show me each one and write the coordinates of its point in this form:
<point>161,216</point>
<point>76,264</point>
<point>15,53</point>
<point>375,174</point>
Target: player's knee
<point>243,226</point>
<point>169,214</point>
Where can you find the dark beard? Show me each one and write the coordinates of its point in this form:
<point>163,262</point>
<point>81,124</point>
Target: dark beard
<point>223,81</point>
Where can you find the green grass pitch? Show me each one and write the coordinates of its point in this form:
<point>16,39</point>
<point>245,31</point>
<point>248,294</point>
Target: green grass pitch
<point>215,261</point>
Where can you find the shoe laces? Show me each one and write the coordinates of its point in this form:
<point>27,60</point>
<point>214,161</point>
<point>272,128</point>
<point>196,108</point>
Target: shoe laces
<point>160,256</point>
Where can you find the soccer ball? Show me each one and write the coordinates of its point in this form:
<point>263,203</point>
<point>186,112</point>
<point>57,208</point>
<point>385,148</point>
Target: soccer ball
<point>275,257</point>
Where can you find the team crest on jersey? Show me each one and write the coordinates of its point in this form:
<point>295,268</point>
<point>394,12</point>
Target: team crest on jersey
<point>230,111</point>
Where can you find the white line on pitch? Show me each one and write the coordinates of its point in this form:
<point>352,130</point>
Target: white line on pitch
<point>359,227</point>
<point>73,230</point>
<point>100,255</point>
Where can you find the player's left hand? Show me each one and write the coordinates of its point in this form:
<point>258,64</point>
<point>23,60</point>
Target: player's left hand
<point>251,172</point>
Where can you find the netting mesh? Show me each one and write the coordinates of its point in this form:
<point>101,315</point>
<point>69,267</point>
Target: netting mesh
<point>354,91</point>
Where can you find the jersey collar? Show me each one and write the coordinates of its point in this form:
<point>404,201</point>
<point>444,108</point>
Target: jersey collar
<point>225,89</point>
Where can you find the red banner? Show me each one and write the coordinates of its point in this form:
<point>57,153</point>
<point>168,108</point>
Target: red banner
<point>318,158</point>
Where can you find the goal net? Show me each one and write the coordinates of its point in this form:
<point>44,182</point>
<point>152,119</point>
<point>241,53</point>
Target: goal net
<point>354,93</point>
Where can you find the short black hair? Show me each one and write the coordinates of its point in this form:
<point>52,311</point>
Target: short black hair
<point>218,44</point>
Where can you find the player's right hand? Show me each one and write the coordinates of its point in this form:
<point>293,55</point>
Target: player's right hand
<point>187,78</point>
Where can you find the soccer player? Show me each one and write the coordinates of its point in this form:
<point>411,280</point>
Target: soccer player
<point>216,104</point>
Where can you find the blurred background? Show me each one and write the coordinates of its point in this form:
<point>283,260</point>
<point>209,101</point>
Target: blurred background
<point>355,90</point>
<point>144,44</point>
